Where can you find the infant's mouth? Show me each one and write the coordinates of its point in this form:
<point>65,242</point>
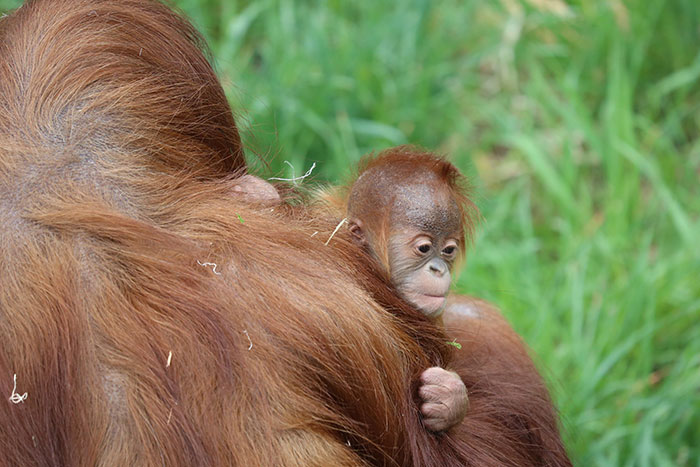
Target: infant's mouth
<point>428,303</point>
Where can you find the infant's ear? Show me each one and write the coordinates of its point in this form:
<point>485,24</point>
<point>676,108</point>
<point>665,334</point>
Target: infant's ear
<point>357,231</point>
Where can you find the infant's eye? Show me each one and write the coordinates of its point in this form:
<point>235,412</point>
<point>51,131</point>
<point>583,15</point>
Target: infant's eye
<point>424,248</point>
<point>449,251</point>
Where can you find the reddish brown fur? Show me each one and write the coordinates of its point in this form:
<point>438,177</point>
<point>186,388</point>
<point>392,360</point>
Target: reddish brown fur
<point>118,153</point>
<point>511,420</point>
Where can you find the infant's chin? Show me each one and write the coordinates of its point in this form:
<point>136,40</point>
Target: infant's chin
<point>431,305</point>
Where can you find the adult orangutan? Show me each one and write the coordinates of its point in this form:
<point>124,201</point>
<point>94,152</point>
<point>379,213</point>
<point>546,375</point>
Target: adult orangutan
<point>148,319</point>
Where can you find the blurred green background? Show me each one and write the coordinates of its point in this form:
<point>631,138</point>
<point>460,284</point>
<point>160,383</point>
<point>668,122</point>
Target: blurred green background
<point>578,122</point>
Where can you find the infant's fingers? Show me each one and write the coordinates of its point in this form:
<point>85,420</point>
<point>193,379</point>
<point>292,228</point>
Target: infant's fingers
<point>436,424</point>
<point>444,397</point>
<point>434,410</point>
<point>433,393</point>
<point>435,375</point>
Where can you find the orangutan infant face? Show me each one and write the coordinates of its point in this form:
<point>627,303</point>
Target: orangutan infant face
<point>421,266</point>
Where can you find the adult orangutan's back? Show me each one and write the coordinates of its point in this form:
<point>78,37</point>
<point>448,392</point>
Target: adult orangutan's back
<point>148,325</point>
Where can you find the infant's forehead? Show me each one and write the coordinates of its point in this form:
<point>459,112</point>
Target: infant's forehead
<point>411,197</point>
<point>426,204</point>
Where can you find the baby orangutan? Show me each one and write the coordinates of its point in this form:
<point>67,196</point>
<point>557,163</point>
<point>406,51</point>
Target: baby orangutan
<point>409,210</point>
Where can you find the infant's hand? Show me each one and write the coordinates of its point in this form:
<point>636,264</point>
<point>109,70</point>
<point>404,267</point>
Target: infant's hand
<point>444,397</point>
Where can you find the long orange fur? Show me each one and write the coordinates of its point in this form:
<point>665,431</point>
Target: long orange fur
<point>117,152</point>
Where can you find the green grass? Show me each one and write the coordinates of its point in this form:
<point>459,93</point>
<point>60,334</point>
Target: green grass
<point>579,126</point>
